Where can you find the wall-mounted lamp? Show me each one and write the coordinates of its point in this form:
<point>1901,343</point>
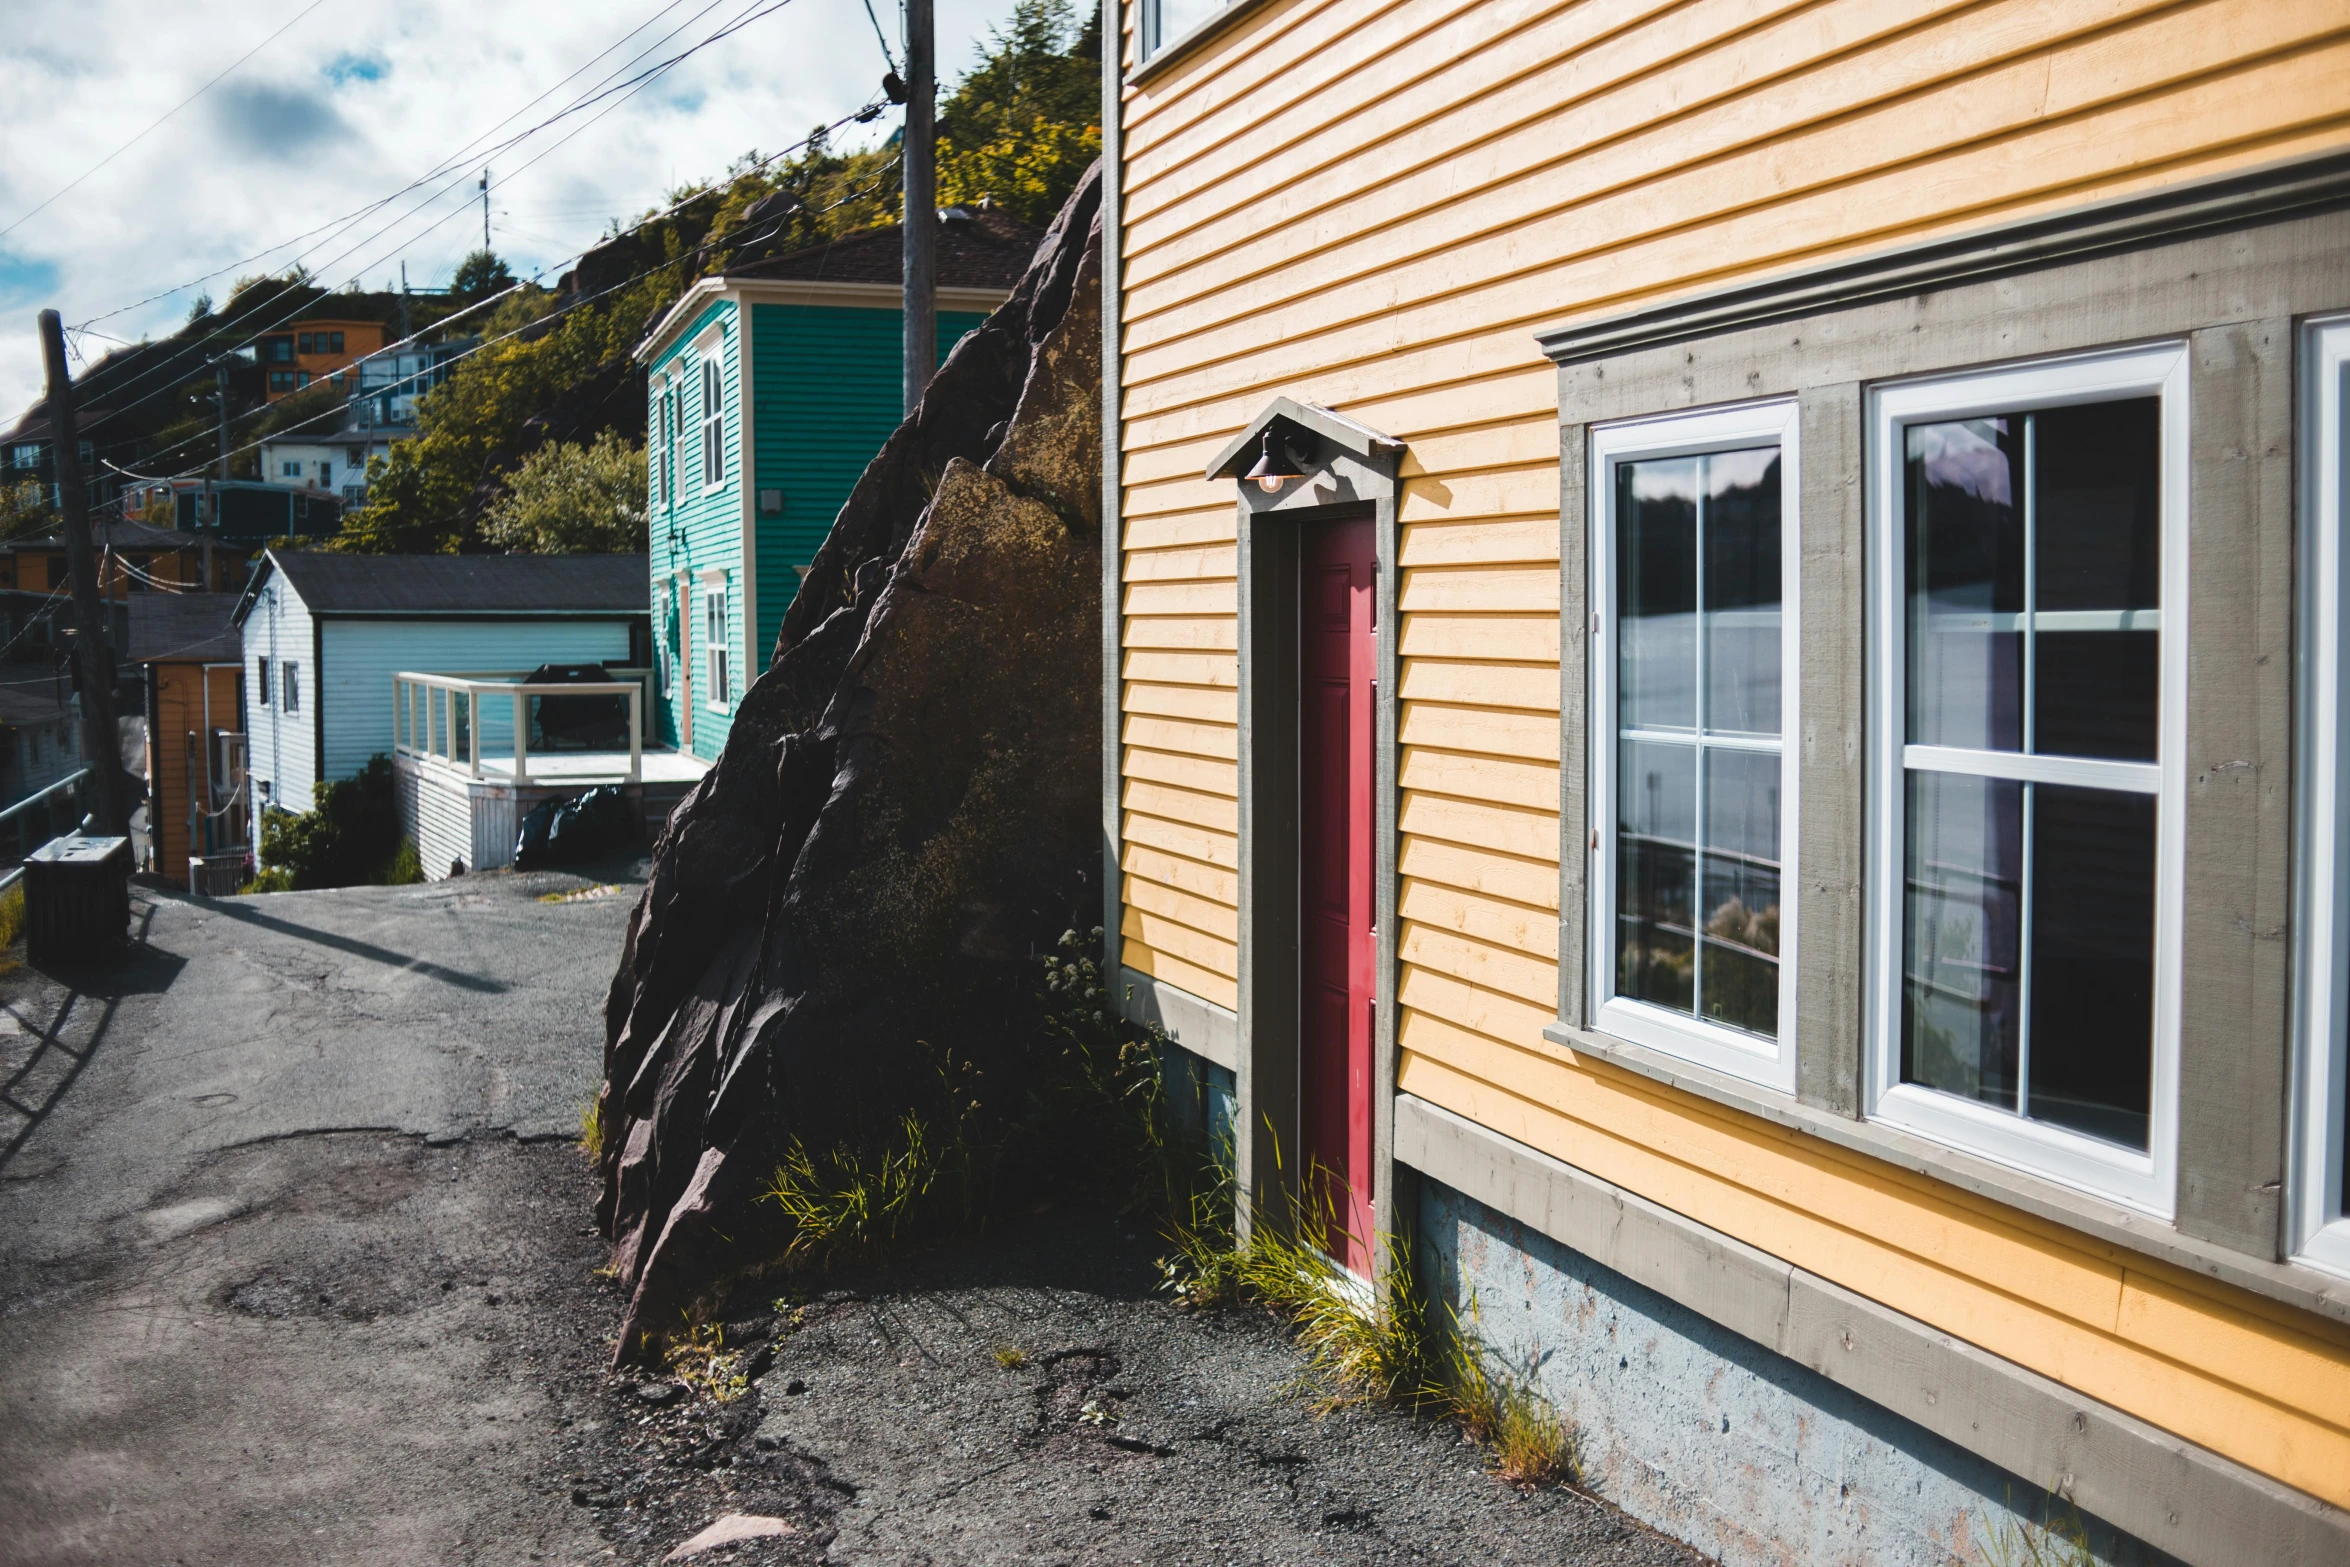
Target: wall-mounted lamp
<point>1274,468</point>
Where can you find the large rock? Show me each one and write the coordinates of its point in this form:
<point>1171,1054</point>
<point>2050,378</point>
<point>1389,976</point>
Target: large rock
<point>906,810</point>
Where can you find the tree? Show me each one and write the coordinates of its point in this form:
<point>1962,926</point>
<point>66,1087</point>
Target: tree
<point>479,276</point>
<point>1023,125</point>
<point>569,499</point>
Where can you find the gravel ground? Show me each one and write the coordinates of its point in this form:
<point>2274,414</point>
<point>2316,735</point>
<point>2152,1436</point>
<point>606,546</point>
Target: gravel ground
<point>293,1269</point>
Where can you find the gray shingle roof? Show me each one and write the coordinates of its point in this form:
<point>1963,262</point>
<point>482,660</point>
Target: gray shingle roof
<point>184,626</point>
<point>485,585</point>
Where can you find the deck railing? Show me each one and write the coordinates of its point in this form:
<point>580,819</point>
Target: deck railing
<point>440,717</point>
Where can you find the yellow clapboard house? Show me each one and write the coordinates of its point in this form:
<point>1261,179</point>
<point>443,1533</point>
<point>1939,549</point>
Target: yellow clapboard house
<point>1725,704</point>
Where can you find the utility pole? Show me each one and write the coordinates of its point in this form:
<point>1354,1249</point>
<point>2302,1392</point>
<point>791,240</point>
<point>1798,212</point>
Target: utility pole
<point>485,210</point>
<point>101,745</point>
<point>919,155</point>
<point>220,391</point>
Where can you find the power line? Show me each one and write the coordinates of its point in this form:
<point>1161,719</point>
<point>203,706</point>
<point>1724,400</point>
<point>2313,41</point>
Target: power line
<point>463,156</point>
<point>756,11</point>
<point>880,181</point>
<point>167,114</point>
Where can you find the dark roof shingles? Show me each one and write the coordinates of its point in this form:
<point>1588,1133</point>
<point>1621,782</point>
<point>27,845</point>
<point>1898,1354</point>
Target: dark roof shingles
<point>468,584</point>
<point>184,626</point>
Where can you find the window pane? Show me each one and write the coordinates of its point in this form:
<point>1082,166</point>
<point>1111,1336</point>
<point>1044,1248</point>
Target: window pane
<point>2097,553</point>
<point>1739,971</point>
<point>1741,609</point>
<point>2092,1044</point>
<point>1656,833</point>
<point>1966,583</point>
<point>1656,547</point>
<point>1963,863</point>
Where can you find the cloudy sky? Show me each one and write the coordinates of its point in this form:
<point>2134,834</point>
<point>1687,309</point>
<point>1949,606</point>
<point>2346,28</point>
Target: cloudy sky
<point>355,100</point>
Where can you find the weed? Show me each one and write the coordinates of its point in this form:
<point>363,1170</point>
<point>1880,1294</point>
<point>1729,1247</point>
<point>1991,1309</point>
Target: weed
<point>404,868</point>
<point>848,1203</point>
<point>11,915</point>
<point>1010,1356</point>
<point>1366,1341</point>
<point>700,1359</point>
<point>591,1128</point>
<point>1502,1413</point>
<point>269,878</point>
<point>2061,1541</point>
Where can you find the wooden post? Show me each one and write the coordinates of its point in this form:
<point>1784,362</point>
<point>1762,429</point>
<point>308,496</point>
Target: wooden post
<point>920,152</point>
<point>101,743</point>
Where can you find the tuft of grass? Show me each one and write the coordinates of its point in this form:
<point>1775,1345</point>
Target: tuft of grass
<point>270,878</point>
<point>404,868</point>
<point>700,1359</point>
<point>11,915</point>
<point>591,1128</point>
<point>1367,1341</point>
<point>849,1202</point>
<point>1504,1414</point>
<point>1010,1356</point>
<point>2061,1541</point>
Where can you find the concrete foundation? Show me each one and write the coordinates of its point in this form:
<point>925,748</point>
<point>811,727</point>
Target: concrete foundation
<point>1715,1439</point>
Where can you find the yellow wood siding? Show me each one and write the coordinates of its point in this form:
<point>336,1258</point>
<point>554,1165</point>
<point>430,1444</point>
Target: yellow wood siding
<point>1373,205</point>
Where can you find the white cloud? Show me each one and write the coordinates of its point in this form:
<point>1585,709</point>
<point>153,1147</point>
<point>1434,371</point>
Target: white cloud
<point>352,104</point>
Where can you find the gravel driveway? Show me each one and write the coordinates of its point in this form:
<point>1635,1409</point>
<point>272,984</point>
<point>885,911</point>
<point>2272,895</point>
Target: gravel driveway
<point>295,1268</point>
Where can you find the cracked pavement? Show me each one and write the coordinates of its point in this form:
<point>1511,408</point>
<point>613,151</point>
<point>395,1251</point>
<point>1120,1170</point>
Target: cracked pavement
<point>286,1275</point>
<point>296,1267</point>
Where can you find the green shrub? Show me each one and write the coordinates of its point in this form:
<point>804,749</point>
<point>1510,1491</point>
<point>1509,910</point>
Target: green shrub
<point>404,868</point>
<point>350,838</point>
<point>11,915</point>
<point>269,878</point>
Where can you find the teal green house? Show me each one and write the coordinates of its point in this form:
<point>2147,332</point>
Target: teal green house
<point>768,391</point>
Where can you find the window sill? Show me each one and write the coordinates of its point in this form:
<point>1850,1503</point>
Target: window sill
<point>1184,44</point>
<point>2290,1283</point>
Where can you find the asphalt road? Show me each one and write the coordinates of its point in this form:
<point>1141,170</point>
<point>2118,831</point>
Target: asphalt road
<point>295,1268</point>
<point>288,1262</point>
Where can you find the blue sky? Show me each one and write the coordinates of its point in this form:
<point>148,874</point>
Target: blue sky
<point>353,102</point>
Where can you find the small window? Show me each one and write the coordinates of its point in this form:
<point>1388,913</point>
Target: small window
<point>28,456</point>
<point>293,686</point>
<point>302,342</point>
<point>713,424</point>
<point>2319,1192</point>
<point>326,475</point>
<point>261,682</point>
<point>717,645</point>
<point>1164,21</point>
<point>1693,562</point>
<point>2030,669</point>
<point>353,456</point>
<point>334,342</point>
<point>289,470</point>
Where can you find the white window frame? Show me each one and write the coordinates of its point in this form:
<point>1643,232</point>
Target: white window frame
<point>2317,1227</point>
<point>1153,31</point>
<point>713,391</point>
<point>1769,1063</point>
<point>2147,1181</point>
<point>290,676</point>
<point>717,642</point>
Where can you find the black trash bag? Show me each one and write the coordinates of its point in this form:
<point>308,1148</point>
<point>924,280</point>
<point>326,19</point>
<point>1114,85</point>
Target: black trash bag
<point>565,832</point>
<point>530,844</point>
<point>594,824</point>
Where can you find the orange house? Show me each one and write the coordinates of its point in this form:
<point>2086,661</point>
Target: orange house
<point>195,727</point>
<point>138,559</point>
<point>307,350</point>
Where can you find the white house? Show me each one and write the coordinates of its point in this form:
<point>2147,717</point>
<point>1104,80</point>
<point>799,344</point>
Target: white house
<point>324,635</point>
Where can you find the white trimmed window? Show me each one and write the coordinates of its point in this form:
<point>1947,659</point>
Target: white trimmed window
<point>717,646</point>
<point>713,423</point>
<point>1164,21</point>
<point>2028,679</point>
<point>1693,571</point>
<point>293,686</point>
<point>2320,1186</point>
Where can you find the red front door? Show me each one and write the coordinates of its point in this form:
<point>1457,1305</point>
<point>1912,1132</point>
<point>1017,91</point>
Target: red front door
<point>1337,665</point>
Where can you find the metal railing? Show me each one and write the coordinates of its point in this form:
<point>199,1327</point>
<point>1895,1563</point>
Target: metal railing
<point>72,780</point>
<point>439,717</point>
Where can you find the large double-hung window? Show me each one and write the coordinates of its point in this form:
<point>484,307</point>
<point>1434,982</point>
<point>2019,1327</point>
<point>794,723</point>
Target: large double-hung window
<point>2029,674</point>
<point>1693,636</point>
